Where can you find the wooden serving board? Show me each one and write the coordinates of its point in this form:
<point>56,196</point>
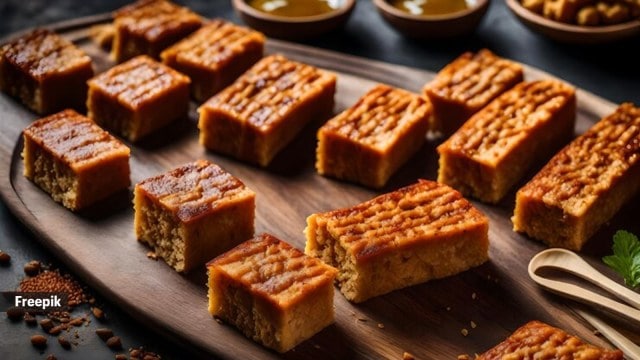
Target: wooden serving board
<point>425,320</point>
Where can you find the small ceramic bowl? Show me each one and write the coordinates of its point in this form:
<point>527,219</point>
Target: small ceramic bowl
<point>293,28</point>
<point>433,26</point>
<point>575,34</point>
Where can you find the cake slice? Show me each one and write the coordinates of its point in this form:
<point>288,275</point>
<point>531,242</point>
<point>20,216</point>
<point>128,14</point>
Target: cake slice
<point>147,27</point>
<point>537,340</point>
<point>417,233</point>
<point>583,185</point>
<point>491,152</point>
<point>264,109</point>
<point>466,85</point>
<point>193,213</point>
<point>271,291</point>
<point>214,56</point>
<point>72,159</point>
<point>45,71</point>
<point>369,141</point>
<point>138,97</point>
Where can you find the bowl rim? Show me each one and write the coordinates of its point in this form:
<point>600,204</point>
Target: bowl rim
<point>533,17</point>
<point>388,8</point>
<point>243,7</point>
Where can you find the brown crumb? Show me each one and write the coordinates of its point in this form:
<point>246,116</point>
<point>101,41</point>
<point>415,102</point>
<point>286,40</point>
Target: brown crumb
<point>114,343</point>
<point>104,333</point>
<point>473,324</point>
<point>77,321</point>
<point>15,313</point>
<point>97,312</point>
<point>30,319</point>
<point>464,332</point>
<point>448,308</point>
<point>5,259</point>
<point>64,342</point>
<point>39,341</point>
<point>380,326</point>
<point>58,329</point>
<point>32,268</point>
<point>408,356</point>
<point>474,296</point>
<point>152,255</point>
<point>46,324</point>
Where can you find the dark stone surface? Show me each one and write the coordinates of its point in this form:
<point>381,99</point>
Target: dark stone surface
<point>611,71</point>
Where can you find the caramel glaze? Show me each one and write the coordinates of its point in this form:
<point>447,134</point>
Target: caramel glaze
<point>193,190</point>
<point>153,19</point>
<point>74,139</point>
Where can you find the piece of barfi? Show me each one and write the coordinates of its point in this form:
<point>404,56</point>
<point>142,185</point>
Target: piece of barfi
<point>193,213</point>
<point>537,340</point>
<point>138,97</point>
<point>417,233</point>
<point>583,185</point>
<point>264,109</point>
<point>491,152</point>
<point>72,159</point>
<point>147,27</point>
<point>45,71</point>
<point>271,291</point>
<point>466,85</point>
<point>369,141</point>
<point>214,56</point>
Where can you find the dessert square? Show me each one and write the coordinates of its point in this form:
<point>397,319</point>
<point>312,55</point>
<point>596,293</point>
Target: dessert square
<point>417,233</point>
<point>264,109</point>
<point>147,27</point>
<point>193,213</point>
<point>72,159</point>
<point>137,97</point>
<point>466,85</point>
<point>537,340</point>
<point>45,71</point>
<point>272,292</point>
<point>214,56</point>
<point>369,141</point>
<point>583,185</point>
<point>491,152</point>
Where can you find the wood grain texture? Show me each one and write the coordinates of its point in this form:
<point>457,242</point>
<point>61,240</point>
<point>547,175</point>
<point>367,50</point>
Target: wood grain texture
<point>425,320</point>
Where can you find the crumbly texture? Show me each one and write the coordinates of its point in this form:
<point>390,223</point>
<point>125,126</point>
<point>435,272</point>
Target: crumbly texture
<point>147,27</point>
<point>491,152</point>
<point>45,71</point>
<point>466,85</point>
<point>368,142</point>
<point>264,109</point>
<point>417,233</point>
<point>272,292</point>
<point>138,97</point>
<point>537,340</point>
<point>193,213</point>
<point>214,56</point>
<point>72,159</point>
<point>585,184</point>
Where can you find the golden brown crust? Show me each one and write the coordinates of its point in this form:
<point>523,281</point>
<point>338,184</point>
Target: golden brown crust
<point>585,184</point>
<point>536,340</point>
<point>468,84</point>
<point>498,144</point>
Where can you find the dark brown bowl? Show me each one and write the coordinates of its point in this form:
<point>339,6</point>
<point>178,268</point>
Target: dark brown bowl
<point>433,26</point>
<point>293,28</point>
<point>574,34</point>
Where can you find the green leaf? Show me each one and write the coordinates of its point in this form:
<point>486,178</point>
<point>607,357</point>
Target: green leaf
<point>626,257</point>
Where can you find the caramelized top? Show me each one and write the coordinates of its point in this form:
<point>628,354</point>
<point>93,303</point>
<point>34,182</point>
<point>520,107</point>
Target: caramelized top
<point>274,270</point>
<point>153,19</point>
<point>576,176</point>
<point>536,340</point>
<point>74,139</point>
<point>400,218</point>
<point>270,90</point>
<point>42,53</point>
<point>214,45</point>
<point>475,80</point>
<point>493,132</point>
<point>381,117</point>
<point>138,81</point>
<point>194,189</point>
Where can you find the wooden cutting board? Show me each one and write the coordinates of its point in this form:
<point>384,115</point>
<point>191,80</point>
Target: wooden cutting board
<point>426,320</point>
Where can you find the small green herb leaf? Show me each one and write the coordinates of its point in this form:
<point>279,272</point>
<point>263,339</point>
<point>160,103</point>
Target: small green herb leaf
<point>626,257</point>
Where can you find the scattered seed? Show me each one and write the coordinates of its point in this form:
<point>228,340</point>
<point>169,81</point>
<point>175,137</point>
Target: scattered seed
<point>114,343</point>
<point>473,324</point>
<point>32,268</point>
<point>104,333</point>
<point>5,259</point>
<point>121,357</point>
<point>77,321</point>
<point>15,313</point>
<point>408,356</point>
<point>64,320</point>
<point>97,312</point>
<point>464,332</point>
<point>64,342</point>
<point>46,324</point>
<point>380,326</point>
<point>30,319</point>
<point>134,352</point>
<point>52,357</point>
<point>39,341</point>
<point>56,330</point>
